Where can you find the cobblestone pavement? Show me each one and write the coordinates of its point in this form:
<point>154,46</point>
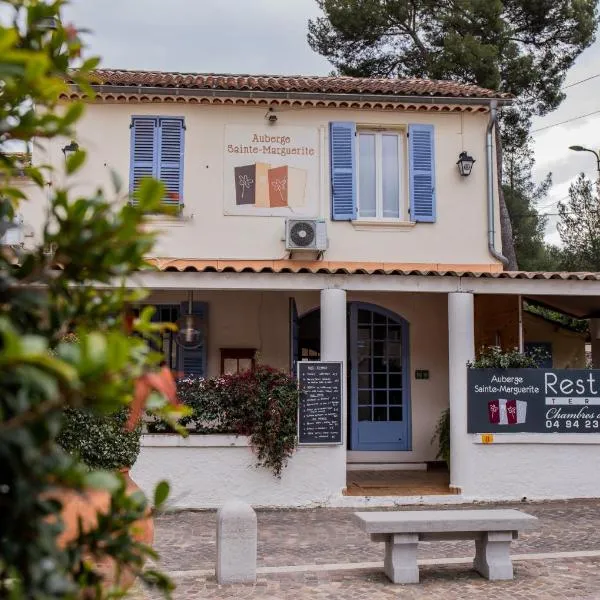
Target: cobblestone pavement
<point>186,542</point>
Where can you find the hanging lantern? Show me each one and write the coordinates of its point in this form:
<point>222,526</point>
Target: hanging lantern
<point>190,329</point>
<point>465,164</point>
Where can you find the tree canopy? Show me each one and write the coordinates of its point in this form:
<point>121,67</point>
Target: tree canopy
<point>523,47</point>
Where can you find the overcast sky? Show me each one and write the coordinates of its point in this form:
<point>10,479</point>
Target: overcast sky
<point>269,36</point>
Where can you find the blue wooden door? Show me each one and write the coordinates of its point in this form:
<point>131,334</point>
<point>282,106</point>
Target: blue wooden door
<point>379,374</point>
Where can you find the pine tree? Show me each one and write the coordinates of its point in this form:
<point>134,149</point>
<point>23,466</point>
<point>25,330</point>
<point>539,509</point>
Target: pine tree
<point>579,226</point>
<point>522,197</point>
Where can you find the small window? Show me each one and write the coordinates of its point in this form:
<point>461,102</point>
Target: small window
<point>165,313</point>
<point>237,360</point>
<point>184,362</point>
<point>380,190</point>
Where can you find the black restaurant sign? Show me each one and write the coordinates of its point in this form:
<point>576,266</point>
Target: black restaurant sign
<point>320,403</point>
<point>533,401</point>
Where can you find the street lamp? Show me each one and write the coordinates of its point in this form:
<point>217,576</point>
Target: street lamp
<point>582,149</point>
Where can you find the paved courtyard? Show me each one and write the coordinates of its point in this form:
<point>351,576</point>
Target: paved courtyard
<point>321,554</point>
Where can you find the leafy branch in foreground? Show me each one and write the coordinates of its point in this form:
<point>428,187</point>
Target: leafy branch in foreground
<point>73,281</point>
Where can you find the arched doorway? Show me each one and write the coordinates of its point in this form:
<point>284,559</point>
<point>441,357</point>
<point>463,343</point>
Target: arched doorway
<point>378,374</point>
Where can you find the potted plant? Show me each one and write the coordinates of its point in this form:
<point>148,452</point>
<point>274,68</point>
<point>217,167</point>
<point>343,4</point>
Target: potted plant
<point>441,436</point>
<point>101,443</point>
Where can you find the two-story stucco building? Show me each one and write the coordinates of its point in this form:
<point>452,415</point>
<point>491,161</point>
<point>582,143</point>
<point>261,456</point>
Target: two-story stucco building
<point>404,274</point>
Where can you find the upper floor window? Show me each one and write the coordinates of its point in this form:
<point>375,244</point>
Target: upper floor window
<point>380,189</point>
<point>157,151</point>
<point>367,173</point>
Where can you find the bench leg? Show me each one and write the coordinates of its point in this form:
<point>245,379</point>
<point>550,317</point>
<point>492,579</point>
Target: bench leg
<point>400,563</point>
<point>492,555</point>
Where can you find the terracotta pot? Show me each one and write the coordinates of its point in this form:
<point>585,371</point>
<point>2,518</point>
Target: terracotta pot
<point>86,506</point>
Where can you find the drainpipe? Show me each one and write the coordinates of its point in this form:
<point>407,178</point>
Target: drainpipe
<point>490,184</point>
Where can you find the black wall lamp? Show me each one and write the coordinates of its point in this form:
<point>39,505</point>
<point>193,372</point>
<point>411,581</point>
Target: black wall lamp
<point>70,149</point>
<point>465,164</point>
<point>271,117</point>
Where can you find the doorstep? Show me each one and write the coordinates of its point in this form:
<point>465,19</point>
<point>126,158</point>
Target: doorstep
<point>398,483</point>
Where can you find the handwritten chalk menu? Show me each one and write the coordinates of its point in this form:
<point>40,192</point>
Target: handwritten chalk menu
<point>320,406</point>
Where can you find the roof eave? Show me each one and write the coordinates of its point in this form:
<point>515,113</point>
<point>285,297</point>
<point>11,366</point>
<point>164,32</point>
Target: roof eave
<point>294,95</point>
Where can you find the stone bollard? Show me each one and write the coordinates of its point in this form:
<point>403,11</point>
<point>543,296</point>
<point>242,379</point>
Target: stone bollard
<point>236,543</point>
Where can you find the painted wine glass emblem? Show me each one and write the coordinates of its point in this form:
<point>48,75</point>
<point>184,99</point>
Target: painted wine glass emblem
<point>507,412</point>
<point>245,183</point>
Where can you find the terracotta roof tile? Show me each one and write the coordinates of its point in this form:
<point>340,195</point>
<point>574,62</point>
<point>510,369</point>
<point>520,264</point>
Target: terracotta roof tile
<point>294,83</point>
<point>358,268</point>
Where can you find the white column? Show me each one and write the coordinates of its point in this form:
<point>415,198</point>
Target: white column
<point>461,349</point>
<point>595,341</point>
<point>333,325</point>
<point>333,343</point>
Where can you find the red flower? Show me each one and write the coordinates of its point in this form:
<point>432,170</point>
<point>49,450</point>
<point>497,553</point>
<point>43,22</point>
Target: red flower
<point>71,32</point>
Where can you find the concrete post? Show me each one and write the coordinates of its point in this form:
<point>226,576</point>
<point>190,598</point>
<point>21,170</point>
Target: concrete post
<point>461,349</point>
<point>595,342</point>
<point>333,325</point>
<point>236,543</point>
<point>334,348</point>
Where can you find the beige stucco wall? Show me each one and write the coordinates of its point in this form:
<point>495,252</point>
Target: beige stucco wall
<point>261,320</point>
<point>459,235</point>
<point>258,320</point>
<point>568,347</point>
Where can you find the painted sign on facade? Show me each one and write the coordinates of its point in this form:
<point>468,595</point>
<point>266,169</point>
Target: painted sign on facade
<point>533,400</point>
<point>271,171</point>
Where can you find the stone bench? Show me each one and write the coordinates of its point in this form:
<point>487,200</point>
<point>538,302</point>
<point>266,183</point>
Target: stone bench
<point>492,530</point>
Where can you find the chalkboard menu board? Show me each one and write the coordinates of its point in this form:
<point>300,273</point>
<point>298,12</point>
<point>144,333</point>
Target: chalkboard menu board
<point>320,406</point>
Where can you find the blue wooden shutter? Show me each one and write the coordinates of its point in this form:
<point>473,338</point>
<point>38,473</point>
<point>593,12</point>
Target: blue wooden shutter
<point>343,174</point>
<point>193,362</point>
<point>170,159</point>
<point>422,173</point>
<point>144,147</point>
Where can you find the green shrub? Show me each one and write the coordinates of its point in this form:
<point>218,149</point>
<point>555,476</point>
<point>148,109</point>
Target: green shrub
<point>261,404</point>
<point>441,436</point>
<point>101,442</point>
<point>494,357</point>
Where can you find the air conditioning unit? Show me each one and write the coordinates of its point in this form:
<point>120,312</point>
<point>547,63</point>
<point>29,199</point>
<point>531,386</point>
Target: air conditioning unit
<point>305,234</point>
<point>13,232</point>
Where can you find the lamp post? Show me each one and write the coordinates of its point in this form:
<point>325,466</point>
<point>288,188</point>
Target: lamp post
<point>582,149</point>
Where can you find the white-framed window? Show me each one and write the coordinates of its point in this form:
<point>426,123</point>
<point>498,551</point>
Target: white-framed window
<point>381,158</point>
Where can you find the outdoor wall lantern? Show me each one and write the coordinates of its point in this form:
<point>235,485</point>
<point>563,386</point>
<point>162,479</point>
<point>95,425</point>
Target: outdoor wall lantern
<point>465,164</point>
<point>271,117</point>
<point>70,149</point>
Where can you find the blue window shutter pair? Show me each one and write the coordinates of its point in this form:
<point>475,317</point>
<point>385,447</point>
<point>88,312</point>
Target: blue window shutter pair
<point>157,151</point>
<point>193,361</point>
<point>421,159</point>
<point>343,172</point>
